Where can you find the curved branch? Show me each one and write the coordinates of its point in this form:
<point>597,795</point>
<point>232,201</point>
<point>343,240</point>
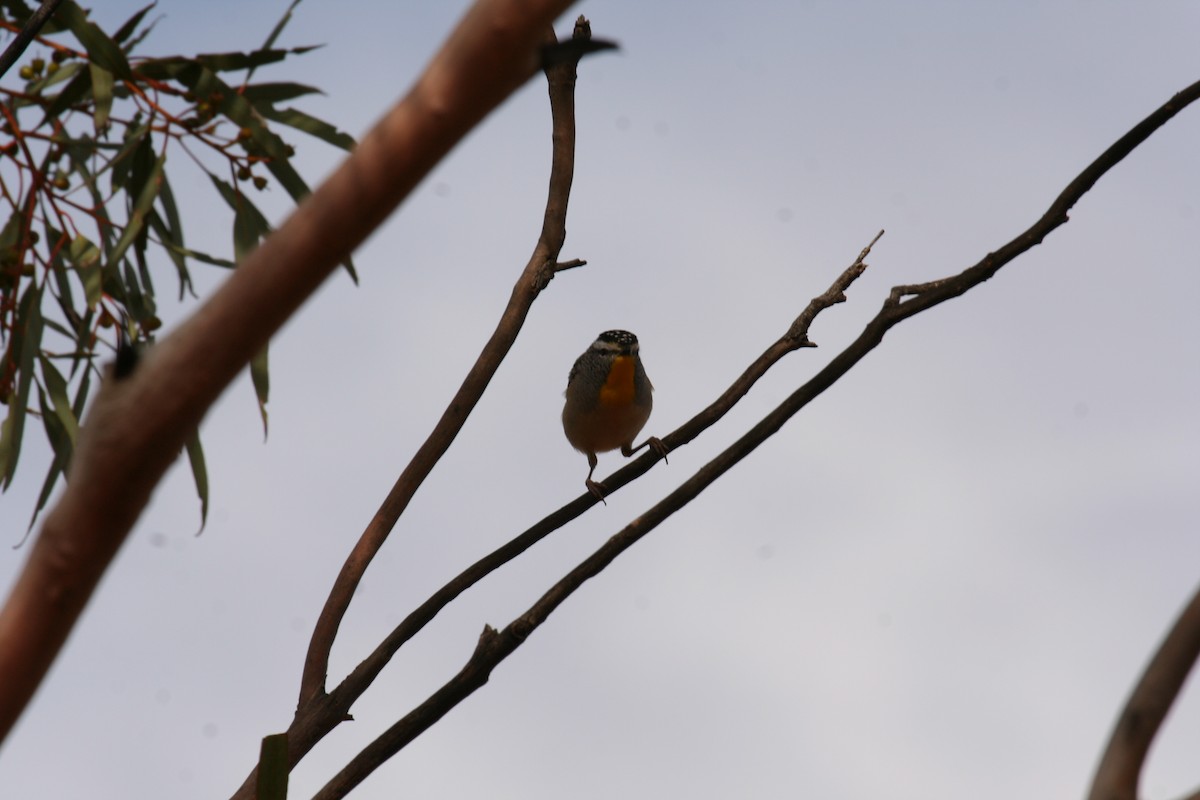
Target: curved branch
<point>537,274</point>
<point>1147,707</point>
<point>495,646</point>
<point>137,426</point>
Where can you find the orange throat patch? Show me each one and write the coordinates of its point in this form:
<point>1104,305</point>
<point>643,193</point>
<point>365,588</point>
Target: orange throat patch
<point>618,389</point>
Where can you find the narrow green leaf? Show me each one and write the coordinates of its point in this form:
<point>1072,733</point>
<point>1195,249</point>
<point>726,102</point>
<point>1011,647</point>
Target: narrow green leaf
<point>64,73</point>
<point>60,442</point>
<point>276,92</point>
<point>56,386</point>
<point>60,271</point>
<point>140,303</point>
<point>10,234</point>
<point>166,199</point>
<point>48,484</point>
<point>177,254</point>
<point>127,29</point>
<point>86,258</point>
<point>272,781</point>
<point>261,378</point>
<point>279,26</point>
<point>101,49</point>
<point>163,69</point>
<point>102,92</point>
<point>140,256</point>
<point>137,148</point>
<point>246,232</point>
<point>8,447</point>
<point>170,235</point>
<point>62,453</point>
<point>137,215</point>
<point>81,394</point>
<point>26,338</point>
<point>249,225</point>
<point>200,473</point>
<point>310,125</point>
<point>57,327</point>
<point>231,62</point>
<point>200,256</point>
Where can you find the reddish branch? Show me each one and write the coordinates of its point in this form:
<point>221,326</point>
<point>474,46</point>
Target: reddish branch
<point>495,646</point>
<point>137,426</point>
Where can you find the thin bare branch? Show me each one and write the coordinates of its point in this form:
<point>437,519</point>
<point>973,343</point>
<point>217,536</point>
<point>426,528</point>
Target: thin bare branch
<point>311,726</point>
<point>494,646</point>
<point>1121,765</point>
<point>138,426</point>
<point>535,276</point>
<point>314,720</point>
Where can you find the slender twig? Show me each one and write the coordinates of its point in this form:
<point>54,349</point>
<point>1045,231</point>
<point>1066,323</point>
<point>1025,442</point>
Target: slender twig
<point>137,426</point>
<point>32,25</point>
<point>495,646</point>
<point>537,274</point>
<point>1156,691</point>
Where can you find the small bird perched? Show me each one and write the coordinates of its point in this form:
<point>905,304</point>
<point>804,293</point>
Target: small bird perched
<point>608,401</point>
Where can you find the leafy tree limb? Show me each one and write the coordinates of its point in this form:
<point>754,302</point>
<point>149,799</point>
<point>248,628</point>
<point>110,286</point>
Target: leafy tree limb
<point>138,425</point>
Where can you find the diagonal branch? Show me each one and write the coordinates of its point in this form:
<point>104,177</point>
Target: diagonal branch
<point>316,719</point>
<point>137,426</point>
<point>1147,707</point>
<point>495,646</point>
<point>536,276</point>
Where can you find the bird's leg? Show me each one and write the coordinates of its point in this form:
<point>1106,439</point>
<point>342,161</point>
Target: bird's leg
<point>654,443</point>
<point>595,487</point>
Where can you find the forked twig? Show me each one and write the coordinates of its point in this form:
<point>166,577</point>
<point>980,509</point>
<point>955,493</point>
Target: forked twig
<point>538,273</point>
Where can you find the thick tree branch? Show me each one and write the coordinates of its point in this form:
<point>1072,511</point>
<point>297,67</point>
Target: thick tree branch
<point>494,646</point>
<point>138,425</point>
<point>1121,765</point>
<point>537,274</point>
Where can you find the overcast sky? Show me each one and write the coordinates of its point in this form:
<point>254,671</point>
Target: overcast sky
<point>939,581</point>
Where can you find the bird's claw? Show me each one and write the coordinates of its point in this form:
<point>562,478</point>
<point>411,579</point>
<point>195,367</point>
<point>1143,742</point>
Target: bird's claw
<point>597,489</point>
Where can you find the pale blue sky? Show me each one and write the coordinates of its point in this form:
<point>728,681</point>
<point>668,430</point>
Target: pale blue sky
<point>938,581</point>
